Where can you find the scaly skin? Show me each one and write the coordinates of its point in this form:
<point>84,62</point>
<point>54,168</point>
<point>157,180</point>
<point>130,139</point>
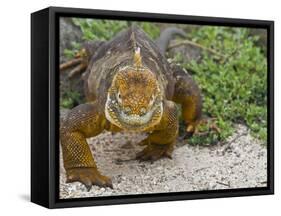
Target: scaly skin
<point>130,87</point>
<point>188,94</point>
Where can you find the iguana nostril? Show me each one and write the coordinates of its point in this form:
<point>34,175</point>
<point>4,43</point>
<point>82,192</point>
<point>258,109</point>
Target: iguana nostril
<point>142,111</point>
<point>127,110</point>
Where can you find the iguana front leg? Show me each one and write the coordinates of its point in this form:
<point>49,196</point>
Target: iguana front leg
<point>83,121</point>
<point>188,94</point>
<point>161,140</point>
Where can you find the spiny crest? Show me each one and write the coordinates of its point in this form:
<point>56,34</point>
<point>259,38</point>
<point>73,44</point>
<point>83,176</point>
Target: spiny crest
<point>137,58</point>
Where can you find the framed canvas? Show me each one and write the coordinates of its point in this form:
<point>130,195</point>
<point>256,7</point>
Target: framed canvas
<point>137,107</point>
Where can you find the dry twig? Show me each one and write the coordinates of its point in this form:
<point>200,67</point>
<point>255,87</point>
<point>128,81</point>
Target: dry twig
<point>188,42</point>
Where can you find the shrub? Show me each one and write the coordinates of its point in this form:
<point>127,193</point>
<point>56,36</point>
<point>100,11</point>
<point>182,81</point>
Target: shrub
<point>234,86</point>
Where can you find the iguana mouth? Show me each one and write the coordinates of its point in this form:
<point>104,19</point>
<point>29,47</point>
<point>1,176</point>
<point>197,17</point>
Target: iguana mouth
<point>133,122</point>
<point>139,121</point>
<point>136,119</point>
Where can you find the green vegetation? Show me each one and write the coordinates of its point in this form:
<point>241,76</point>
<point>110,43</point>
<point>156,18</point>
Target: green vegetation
<point>233,82</point>
<point>94,29</point>
<point>70,53</point>
<point>70,99</point>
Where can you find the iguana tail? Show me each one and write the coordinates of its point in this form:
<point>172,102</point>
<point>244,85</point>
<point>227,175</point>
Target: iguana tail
<point>165,37</point>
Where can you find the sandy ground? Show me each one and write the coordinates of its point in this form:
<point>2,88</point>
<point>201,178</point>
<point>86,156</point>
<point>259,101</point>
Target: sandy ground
<point>240,163</point>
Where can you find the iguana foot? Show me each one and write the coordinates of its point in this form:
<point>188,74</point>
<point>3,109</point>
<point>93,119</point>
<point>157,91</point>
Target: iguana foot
<point>203,128</point>
<point>153,152</point>
<point>88,176</point>
<point>190,131</point>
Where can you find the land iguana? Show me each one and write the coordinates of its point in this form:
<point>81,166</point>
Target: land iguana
<point>130,86</point>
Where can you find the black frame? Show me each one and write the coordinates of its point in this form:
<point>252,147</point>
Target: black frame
<point>45,106</point>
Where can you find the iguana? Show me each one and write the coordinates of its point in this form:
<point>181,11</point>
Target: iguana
<point>130,86</point>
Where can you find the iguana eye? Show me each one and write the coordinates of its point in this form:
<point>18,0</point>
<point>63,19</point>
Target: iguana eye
<point>119,99</point>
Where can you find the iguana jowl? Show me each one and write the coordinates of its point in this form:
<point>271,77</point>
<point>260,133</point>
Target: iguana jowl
<point>130,86</point>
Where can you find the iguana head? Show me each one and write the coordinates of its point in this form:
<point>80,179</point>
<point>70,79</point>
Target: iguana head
<point>134,100</point>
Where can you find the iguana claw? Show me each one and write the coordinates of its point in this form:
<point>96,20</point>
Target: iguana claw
<point>154,152</point>
<point>88,176</point>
